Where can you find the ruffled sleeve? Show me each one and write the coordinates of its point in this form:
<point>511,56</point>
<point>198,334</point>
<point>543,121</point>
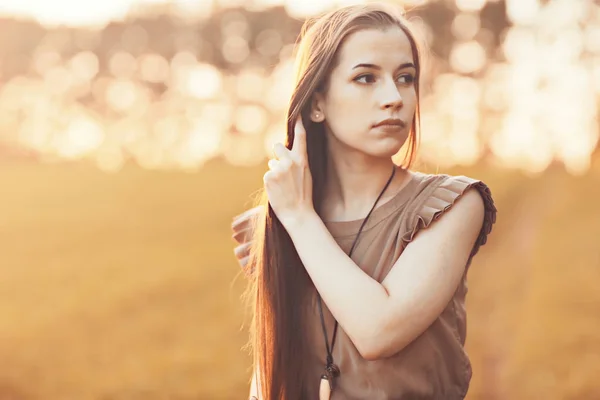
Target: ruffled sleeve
<point>442,196</point>
<point>243,229</point>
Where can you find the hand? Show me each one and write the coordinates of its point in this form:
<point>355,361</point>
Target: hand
<point>288,182</point>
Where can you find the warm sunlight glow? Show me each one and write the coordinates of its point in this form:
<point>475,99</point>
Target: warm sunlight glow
<point>235,49</point>
<point>202,143</point>
<point>532,100</point>
<point>468,57</point>
<point>70,12</point>
<point>251,120</point>
<point>466,25</point>
<point>202,81</point>
<point>122,65</point>
<point>470,5</point>
<point>45,59</point>
<point>83,136</point>
<point>303,9</point>
<point>84,65</point>
<point>523,12</point>
<point>153,68</point>
<point>132,131</point>
<point>121,95</point>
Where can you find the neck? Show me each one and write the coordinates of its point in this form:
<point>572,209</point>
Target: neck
<point>354,183</point>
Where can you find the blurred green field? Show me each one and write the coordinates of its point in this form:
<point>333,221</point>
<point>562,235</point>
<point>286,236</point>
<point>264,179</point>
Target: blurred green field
<point>124,286</point>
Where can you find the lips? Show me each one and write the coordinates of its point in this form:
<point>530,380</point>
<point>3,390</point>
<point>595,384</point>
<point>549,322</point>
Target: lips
<point>391,123</point>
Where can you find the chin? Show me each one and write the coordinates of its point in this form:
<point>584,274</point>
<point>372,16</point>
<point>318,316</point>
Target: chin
<point>381,153</point>
<point>385,149</point>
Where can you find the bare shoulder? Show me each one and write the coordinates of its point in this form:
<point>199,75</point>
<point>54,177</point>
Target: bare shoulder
<point>470,205</point>
<point>455,210</point>
<point>465,216</point>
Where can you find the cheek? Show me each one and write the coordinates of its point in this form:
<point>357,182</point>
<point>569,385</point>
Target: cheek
<point>348,126</point>
<point>410,105</point>
<point>409,97</point>
<point>344,98</point>
<point>347,113</point>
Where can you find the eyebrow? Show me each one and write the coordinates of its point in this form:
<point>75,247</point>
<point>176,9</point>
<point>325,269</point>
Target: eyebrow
<point>373,66</point>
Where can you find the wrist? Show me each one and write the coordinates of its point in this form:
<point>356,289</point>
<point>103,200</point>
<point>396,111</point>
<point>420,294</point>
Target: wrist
<point>295,222</point>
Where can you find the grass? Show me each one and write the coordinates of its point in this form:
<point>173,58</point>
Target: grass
<point>124,286</point>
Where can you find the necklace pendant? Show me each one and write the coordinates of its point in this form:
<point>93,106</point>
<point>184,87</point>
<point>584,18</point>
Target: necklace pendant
<point>325,387</point>
<point>327,384</point>
<point>332,370</point>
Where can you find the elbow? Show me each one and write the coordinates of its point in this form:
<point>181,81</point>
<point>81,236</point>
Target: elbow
<point>371,345</point>
<point>372,349</point>
<point>381,342</point>
<point>369,353</point>
<point>378,349</point>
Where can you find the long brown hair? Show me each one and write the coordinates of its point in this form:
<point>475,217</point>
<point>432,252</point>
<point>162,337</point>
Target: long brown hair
<point>279,284</point>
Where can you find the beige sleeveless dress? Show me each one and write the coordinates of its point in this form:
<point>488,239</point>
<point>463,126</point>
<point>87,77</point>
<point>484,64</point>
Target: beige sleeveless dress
<point>435,365</point>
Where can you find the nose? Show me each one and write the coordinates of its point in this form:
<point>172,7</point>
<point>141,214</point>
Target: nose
<point>391,97</point>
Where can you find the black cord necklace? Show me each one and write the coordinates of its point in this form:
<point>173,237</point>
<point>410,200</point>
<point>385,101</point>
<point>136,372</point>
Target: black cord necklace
<point>332,371</point>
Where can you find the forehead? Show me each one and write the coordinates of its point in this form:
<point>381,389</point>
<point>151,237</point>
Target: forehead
<point>376,46</point>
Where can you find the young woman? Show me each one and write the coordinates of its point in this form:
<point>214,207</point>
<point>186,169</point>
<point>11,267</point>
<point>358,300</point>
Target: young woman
<point>358,266</point>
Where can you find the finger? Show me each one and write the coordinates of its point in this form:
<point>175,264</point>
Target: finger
<point>299,145</point>
<point>280,151</point>
<point>243,235</point>
<point>246,220</point>
<point>244,263</point>
<point>269,177</point>
<point>273,165</point>
<point>280,166</point>
<point>243,250</point>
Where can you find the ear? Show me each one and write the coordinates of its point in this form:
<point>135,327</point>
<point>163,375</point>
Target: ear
<point>316,107</point>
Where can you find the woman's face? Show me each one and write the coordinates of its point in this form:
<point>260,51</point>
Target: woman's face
<point>373,81</point>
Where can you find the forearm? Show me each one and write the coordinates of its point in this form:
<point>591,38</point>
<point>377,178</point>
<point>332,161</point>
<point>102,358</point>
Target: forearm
<point>357,301</point>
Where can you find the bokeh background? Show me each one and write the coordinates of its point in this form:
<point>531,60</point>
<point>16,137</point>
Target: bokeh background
<point>131,132</point>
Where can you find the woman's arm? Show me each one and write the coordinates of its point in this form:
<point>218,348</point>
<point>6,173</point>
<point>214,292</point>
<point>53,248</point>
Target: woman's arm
<point>382,318</point>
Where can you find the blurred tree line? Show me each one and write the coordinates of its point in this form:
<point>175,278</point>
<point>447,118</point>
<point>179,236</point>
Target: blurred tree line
<point>154,28</point>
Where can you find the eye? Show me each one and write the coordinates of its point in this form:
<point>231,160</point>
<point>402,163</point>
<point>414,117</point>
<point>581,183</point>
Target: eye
<point>406,79</point>
<point>365,78</point>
